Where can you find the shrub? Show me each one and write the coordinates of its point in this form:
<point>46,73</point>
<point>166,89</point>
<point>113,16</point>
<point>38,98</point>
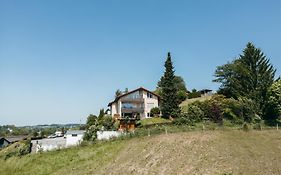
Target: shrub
<point>246,127</point>
<point>249,110</point>
<point>258,126</point>
<point>182,120</point>
<point>190,115</point>
<point>194,113</point>
<point>26,149</point>
<point>232,111</point>
<point>273,106</point>
<point>215,112</point>
<point>194,94</point>
<point>241,110</point>
<point>181,96</point>
<point>155,112</point>
<point>18,149</point>
<point>91,133</point>
<point>116,125</point>
<point>213,108</point>
<point>107,123</point>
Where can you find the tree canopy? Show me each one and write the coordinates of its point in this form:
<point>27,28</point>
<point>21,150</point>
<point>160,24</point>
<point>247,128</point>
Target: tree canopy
<point>179,85</point>
<point>250,76</point>
<point>273,108</point>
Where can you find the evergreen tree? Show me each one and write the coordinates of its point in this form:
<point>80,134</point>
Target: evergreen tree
<point>249,76</point>
<point>126,90</point>
<point>102,113</point>
<point>118,93</point>
<point>180,86</point>
<point>169,105</point>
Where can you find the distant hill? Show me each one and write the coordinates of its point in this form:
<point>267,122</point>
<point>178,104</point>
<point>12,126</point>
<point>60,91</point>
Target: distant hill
<point>52,126</point>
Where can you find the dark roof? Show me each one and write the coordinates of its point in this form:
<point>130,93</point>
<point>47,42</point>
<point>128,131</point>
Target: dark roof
<point>141,88</point>
<point>4,139</point>
<point>16,138</point>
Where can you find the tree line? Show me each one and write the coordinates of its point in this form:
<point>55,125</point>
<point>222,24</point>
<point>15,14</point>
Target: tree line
<point>248,89</point>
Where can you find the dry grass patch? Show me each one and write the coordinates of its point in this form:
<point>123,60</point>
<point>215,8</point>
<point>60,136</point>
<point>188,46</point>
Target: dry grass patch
<point>196,152</point>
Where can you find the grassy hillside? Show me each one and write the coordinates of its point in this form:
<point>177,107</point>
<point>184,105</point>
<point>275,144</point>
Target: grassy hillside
<point>188,101</point>
<point>154,121</point>
<point>197,152</point>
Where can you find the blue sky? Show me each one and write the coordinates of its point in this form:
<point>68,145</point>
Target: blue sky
<point>62,60</point>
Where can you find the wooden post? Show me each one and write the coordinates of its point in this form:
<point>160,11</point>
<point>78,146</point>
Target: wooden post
<point>148,132</point>
<point>277,127</point>
<point>166,130</point>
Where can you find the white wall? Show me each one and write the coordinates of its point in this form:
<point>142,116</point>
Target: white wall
<point>73,140</point>
<point>113,109</point>
<point>153,101</point>
<point>48,144</point>
<point>105,135</point>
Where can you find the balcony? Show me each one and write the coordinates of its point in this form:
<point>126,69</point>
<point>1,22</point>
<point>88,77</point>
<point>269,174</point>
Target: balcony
<point>132,100</point>
<point>132,110</point>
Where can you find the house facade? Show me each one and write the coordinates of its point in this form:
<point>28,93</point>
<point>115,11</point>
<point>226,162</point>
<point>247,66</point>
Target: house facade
<point>134,104</point>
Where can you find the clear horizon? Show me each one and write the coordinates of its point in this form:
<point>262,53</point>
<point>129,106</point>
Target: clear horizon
<point>61,61</point>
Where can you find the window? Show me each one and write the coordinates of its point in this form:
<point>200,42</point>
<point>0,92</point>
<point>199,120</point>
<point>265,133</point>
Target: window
<point>74,135</point>
<point>148,114</point>
<point>134,95</point>
<point>127,105</point>
<point>149,95</point>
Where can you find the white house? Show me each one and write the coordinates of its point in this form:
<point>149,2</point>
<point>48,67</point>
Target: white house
<point>74,137</point>
<point>135,104</point>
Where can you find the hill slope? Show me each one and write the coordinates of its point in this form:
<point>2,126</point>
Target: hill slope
<point>189,101</point>
<point>209,152</point>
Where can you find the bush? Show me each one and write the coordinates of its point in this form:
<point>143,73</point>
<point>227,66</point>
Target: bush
<point>273,106</point>
<point>194,94</point>
<point>190,115</point>
<point>183,119</point>
<point>220,108</point>
<point>249,110</point>
<point>257,126</point>
<point>181,96</point>
<point>155,112</point>
<point>18,149</point>
<point>246,127</point>
<point>116,125</point>
<point>232,111</point>
<point>91,133</point>
<point>107,123</point>
<point>241,110</point>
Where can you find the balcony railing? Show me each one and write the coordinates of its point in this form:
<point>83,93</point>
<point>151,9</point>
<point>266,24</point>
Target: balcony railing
<point>132,100</point>
<point>131,110</point>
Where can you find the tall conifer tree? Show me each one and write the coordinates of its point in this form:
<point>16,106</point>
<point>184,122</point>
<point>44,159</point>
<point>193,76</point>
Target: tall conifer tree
<point>169,105</point>
<point>248,76</point>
